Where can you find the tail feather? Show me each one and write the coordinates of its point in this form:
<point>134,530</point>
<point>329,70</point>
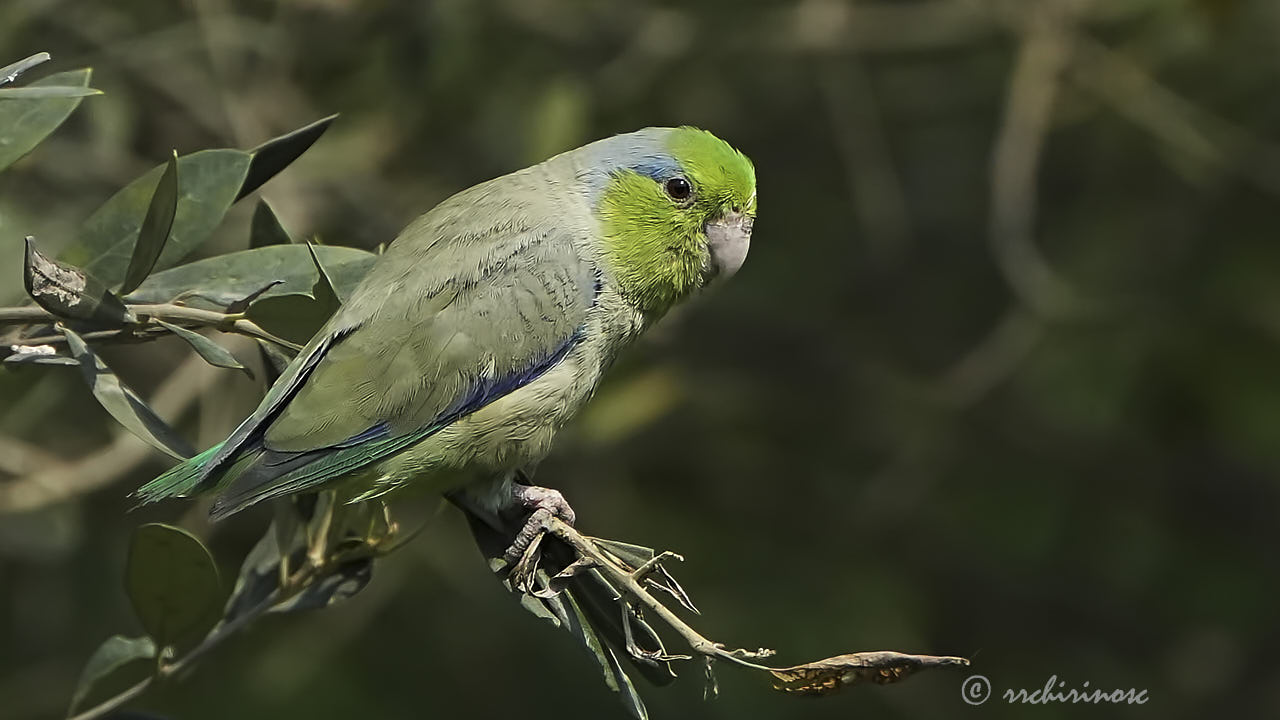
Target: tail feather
<point>181,480</point>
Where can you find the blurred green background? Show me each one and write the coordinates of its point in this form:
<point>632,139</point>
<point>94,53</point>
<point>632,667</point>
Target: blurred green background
<point>1001,377</point>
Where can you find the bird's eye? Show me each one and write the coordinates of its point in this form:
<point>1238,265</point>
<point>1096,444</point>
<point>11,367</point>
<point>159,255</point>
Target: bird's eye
<point>679,188</point>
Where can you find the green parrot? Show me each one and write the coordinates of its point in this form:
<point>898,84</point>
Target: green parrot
<point>484,328</point>
<point>487,325</point>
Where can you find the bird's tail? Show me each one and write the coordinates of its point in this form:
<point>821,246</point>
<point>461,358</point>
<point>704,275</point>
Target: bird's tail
<point>181,480</point>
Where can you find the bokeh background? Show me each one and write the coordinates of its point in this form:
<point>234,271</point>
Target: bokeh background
<point>1001,377</point>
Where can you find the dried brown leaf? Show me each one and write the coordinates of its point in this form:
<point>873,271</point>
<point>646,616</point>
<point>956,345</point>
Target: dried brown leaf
<point>826,676</point>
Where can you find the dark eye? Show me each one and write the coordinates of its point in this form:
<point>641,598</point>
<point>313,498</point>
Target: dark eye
<point>679,188</point>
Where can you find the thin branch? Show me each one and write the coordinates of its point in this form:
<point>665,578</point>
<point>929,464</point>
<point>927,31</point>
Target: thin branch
<point>145,313</point>
<point>1180,124</point>
<point>1044,54</point>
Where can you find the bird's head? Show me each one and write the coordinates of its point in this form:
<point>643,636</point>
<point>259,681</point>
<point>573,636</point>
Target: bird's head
<point>676,207</point>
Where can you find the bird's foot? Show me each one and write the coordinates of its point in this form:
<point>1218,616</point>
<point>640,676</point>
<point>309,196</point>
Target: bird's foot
<point>523,554</point>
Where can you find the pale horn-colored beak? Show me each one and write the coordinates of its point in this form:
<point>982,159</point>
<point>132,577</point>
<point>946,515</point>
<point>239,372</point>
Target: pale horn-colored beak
<point>728,240</point>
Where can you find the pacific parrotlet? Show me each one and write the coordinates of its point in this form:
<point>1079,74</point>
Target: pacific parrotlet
<point>486,326</point>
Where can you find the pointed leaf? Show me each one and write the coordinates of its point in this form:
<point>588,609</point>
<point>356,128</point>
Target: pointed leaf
<point>25,122</point>
<point>243,303</point>
<point>297,317</point>
<point>259,573</point>
<point>207,185</point>
<point>323,290</point>
<point>113,654</point>
<point>212,352</point>
<point>276,154</point>
<point>123,403</point>
<point>27,93</point>
<point>274,361</point>
<point>225,279</point>
<point>10,72</point>
<point>266,228</point>
<point>173,583</point>
<point>68,292</point>
<point>155,228</point>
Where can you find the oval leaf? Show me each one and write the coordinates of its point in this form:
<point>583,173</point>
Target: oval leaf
<point>123,403</point>
<point>173,583</point>
<point>67,292</point>
<point>155,228</point>
<point>207,185</point>
<point>225,279</point>
<point>112,655</point>
<point>25,122</point>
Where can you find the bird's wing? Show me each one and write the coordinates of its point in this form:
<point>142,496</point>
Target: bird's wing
<point>452,324</point>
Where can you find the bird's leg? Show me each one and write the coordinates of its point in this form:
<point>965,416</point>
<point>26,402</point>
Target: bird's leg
<point>544,504</point>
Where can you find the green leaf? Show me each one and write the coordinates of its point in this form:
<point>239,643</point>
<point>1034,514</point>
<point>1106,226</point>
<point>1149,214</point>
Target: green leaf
<point>25,122</point>
<point>207,184</point>
<point>27,93</point>
<point>123,403</point>
<point>112,655</point>
<point>10,72</point>
<point>225,279</point>
<point>155,228</point>
<point>212,352</point>
<point>266,228</point>
<point>67,292</point>
<point>299,316</point>
<point>173,583</point>
<point>276,154</point>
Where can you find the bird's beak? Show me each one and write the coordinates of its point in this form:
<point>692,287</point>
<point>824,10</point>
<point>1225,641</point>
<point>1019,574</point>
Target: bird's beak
<point>728,239</point>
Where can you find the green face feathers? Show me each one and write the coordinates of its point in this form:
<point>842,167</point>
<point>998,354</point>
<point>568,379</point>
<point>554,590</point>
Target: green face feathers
<point>668,185</point>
